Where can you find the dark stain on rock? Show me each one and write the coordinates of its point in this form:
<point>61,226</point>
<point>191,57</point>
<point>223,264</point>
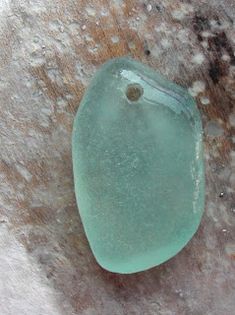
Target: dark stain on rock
<point>220,44</point>
<point>199,37</point>
<point>216,70</point>
<point>200,23</point>
<point>158,7</point>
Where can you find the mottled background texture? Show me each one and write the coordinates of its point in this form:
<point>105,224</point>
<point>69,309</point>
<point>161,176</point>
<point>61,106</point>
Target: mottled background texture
<point>49,49</point>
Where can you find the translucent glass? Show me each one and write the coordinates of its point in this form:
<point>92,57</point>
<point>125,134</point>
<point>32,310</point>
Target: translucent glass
<point>138,166</point>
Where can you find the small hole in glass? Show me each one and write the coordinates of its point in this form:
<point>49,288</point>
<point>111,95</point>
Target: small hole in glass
<point>134,91</point>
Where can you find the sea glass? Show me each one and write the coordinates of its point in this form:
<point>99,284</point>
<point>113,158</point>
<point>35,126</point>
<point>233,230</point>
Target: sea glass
<point>138,166</point>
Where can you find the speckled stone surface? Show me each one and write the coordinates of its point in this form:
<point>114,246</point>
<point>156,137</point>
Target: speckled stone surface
<point>49,51</point>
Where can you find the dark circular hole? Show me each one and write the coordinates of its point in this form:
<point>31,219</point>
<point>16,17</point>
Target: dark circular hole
<point>134,92</point>
<point>147,52</point>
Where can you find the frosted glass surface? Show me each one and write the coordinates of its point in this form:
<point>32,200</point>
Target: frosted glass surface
<point>138,166</point>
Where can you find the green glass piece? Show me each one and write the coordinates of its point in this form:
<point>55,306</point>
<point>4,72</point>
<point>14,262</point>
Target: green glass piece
<point>138,166</point>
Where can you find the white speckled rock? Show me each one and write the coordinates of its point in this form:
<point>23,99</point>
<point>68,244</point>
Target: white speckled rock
<point>46,62</point>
